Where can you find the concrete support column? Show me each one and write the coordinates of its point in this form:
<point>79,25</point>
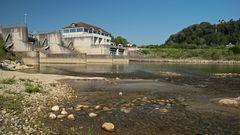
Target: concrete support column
<point>117,51</point>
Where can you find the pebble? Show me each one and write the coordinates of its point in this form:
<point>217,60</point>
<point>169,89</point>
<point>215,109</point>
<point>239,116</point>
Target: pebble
<point>61,116</point>
<point>108,126</point>
<point>229,102</point>
<point>52,116</point>
<point>163,110</point>
<point>144,99</point>
<point>55,108</point>
<point>92,115</point>
<point>64,112</point>
<point>4,111</point>
<point>97,107</point>
<point>125,110</point>
<point>106,108</point>
<point>71,117</point>
<point>120,93</point>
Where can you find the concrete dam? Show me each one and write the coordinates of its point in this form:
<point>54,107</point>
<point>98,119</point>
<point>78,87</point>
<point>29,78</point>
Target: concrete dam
<point>53,47</point>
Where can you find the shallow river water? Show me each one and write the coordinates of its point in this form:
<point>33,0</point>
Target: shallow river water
<point>148,67</point>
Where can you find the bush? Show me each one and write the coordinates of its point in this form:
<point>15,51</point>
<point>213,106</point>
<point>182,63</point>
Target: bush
<point>32,88</point>
<point>9,80</point>
<point>235,49</point>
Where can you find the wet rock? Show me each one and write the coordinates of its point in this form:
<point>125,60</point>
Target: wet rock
<point>97,107</point>
<point>232,102</point>
<point>108,126</point>
<point>120,93</point>
<point>52,116</point>
<point>92,115</point>
<point>64,112</point>
<point>163,110</point>
<point>106,108</point>
<point>78,108</point>
<point>180,98</point>
<point>144,99</point>
<point>3,111</point>
<point>61,116</point>
<point>55,108</point>
<point>125,110</point>
<point>71,117</point>
<point>85,106</point>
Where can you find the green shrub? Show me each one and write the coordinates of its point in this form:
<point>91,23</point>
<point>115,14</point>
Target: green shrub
<point>9,80</point>
<point>235,49</point>
<point>32,88</point>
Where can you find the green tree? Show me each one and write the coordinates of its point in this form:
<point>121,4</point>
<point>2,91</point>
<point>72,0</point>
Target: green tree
<point>120,40</point>
<point>206,34</point>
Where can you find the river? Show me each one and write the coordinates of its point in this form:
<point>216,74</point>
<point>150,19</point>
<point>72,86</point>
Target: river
<point>134,67</point>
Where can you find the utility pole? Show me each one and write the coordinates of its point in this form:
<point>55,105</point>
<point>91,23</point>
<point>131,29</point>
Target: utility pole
<point>25,18</point>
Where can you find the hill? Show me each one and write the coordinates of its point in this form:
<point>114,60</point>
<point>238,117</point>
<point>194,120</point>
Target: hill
<point>206,34</point>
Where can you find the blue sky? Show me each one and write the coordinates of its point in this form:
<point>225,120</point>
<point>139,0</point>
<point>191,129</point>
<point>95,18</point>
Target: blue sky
<point>140,21</point>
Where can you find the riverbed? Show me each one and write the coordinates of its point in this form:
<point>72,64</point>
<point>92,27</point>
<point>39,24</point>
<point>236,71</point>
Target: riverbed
<point>155,99</point>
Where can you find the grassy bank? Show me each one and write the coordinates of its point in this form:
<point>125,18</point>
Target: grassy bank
<point>179,53</point>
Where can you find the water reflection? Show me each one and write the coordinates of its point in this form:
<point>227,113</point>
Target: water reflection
<point>192,69</point>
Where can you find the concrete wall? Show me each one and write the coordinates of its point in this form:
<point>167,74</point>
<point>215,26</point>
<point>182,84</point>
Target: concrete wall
<point>63,58</point>
<point>30,57</point>
<point>18,36</point>
<point>54,41</point>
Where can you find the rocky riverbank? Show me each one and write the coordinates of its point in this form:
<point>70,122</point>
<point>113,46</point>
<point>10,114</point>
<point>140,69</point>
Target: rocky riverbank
<point>25,101</point>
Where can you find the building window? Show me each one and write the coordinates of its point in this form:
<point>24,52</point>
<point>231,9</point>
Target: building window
<point>85,30</point>
<point>79,29</point>
<point>72,30</point>
<point>66,31</point>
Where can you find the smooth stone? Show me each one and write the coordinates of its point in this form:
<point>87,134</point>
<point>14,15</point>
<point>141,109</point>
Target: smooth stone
<point>92,115</point>
<point>120,93</point>
<point>106,108</point>
<point>97,107</point>
<point>108,126</point>
<point>52,116</point>
<point>71,117</point>
<point>163,110</point>
<point>61,116</point>
<point>125,110</point>
<point>55,108</point>
<point>229,102</point>
<point>64,112</point>
<point>144,99</point>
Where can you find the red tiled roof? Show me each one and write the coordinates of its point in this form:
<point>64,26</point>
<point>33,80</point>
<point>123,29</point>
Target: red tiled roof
<point>85,25</point>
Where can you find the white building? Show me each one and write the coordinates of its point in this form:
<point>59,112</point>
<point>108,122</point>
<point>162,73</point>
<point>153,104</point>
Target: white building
<point>90,39</point>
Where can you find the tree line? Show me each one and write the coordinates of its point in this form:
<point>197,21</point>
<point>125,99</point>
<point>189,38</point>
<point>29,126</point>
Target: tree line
<point>207,34</point>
